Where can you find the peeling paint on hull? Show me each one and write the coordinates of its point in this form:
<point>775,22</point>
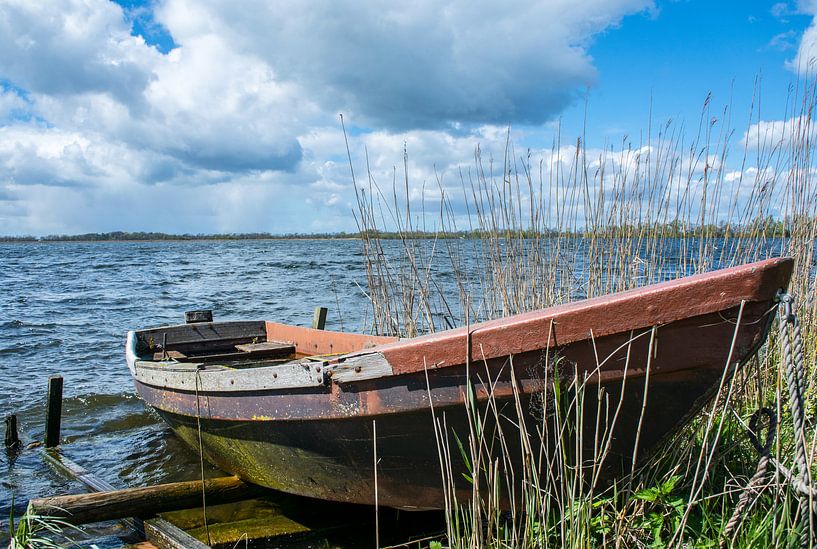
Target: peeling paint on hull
<point>333,459</point>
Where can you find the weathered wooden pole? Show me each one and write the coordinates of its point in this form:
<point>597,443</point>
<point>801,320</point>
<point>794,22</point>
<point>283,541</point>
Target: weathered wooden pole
<point>53,412</point>
<point>144,501</point>
<point>12,440</point>
<point>319,318</point>
<point>162,533</point>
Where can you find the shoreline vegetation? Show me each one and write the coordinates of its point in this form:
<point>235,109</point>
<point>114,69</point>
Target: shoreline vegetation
<point>700,489</point>
<point>768,228</point>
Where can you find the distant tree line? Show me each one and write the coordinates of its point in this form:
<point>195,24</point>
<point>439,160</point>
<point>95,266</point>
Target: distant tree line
<point>124,236</point>
<point>764,227</point>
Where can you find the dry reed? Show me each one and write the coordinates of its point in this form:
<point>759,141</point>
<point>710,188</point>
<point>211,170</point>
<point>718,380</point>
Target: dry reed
<point>527,233</point>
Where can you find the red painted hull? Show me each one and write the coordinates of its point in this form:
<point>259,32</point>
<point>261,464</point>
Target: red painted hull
<point>650,357</point>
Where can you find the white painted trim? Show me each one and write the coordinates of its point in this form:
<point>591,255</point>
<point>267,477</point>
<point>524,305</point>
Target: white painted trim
<point>130,352</point>
<point>191,377</point>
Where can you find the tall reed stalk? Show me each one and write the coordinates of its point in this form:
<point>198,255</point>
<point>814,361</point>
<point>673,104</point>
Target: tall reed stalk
<point>528,231</point>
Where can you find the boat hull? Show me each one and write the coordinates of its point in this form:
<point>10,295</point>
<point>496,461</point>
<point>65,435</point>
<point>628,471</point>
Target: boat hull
<point>638,387</point>
<point>333,459</point>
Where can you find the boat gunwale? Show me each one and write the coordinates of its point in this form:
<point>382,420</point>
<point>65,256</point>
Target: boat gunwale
<point>454,342</point>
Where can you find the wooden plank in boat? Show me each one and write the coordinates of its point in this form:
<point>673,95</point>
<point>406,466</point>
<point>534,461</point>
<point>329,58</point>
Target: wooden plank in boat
<point>175,355</point>
<point>188,377</point>
<point>216,357</point>
<point>267,349</point>
<point>272,349</point>
<point>244,352</point>
<point>204,336</point>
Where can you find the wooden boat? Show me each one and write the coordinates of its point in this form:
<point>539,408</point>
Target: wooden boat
<point>295,409</point>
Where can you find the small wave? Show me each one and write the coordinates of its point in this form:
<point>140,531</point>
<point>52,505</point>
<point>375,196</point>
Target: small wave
<point>29,347</point>
<point>22,324</point>
<point>101,400</point>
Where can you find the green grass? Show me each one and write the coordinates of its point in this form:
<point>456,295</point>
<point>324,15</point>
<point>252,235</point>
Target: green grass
<point>34,531</point>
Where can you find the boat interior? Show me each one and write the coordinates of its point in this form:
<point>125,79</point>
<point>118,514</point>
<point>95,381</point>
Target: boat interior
<point>245,344</point>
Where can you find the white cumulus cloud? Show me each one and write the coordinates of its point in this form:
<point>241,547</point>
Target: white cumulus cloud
<point>243,111</point>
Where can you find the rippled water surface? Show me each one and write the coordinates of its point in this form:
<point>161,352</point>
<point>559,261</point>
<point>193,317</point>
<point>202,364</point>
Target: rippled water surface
<point>65,308</point>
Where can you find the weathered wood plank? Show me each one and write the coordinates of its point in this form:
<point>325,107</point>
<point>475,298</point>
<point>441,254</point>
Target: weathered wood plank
<point>75,470</point>
<point>160,530</point>
<point>142,501</point>
<point>319,318</point>
<point>201,337</point>
<point>192,378</point>
<point>360,367</point>
<point>53,413</point>
<point>174,355</point>
<point>244,351</point>
<point>165,535</point>
<point>12,438</point>
<point>267,348</point>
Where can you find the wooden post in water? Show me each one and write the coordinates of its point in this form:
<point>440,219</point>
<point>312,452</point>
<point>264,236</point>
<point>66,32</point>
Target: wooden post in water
<point>319,318</point>
<point>12,440</point>
<point>53,412</point>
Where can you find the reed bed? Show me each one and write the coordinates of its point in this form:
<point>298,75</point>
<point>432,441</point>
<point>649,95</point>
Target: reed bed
<point>531,230</point>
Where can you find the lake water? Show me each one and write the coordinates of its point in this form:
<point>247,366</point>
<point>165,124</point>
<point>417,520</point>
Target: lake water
<point>65,308</point>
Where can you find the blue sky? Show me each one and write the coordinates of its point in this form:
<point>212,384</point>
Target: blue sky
<point>677,54</point>
<point>226,116</point>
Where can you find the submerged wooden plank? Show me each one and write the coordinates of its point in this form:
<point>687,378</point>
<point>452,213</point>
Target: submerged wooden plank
<point>143,545</point>
<point>75,470</point>
<point>280,518</point>
<point>166,535</point>
<point>159,528</point>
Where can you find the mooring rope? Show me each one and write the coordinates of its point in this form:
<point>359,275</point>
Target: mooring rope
<point>792,345</point>
<point>791,342</point>
<point>201,459</point>
<point>758,480</point>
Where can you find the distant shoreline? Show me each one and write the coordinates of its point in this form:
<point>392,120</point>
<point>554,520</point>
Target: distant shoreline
<point>774,229</point>
<point>164,237</point>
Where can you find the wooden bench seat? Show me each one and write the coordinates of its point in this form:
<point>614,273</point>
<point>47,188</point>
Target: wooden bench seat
<point>266,349</point>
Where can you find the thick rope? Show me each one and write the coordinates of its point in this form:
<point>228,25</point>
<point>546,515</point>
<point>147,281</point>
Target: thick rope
<point>758,480</point>
<point>791,342</point>
<point>792,346</point>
